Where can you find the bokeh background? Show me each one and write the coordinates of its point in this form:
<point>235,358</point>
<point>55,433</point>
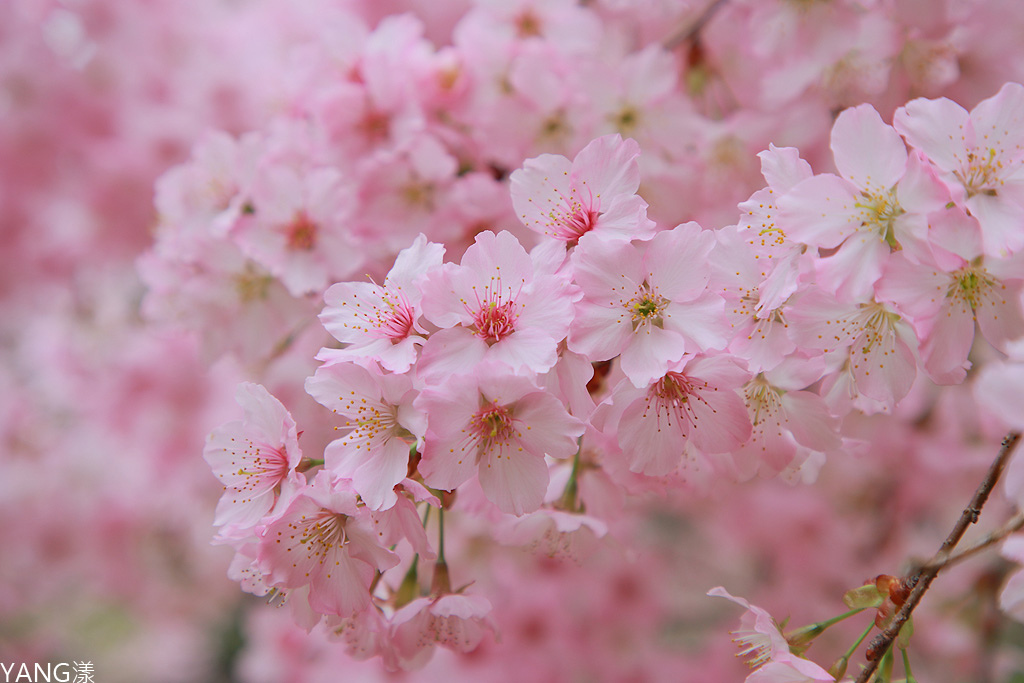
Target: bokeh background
<point>106,504</point>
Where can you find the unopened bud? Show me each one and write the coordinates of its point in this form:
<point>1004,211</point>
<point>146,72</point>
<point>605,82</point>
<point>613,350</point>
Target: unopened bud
<point>442,584</point>
<point>838,668</point>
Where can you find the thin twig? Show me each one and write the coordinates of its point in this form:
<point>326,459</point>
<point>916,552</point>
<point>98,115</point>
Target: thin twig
<point>690,31</point>
<point>924,576</point>
<point>1015,524</point>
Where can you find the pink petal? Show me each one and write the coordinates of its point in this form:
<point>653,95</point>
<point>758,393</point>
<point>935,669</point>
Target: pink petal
<point>1001,220</point>
<point>665,254</point>
<point>868,152</point>
<point>608,167</point>
<point>649,353</point>
<point>940,128</point>
<point>512,479</point>
<point>783,168</point>
<point>820,211</point>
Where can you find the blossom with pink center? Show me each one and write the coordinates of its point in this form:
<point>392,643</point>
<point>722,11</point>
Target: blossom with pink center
<point>981,155</point>
<point>299,229</point>
<point>323,540</point>
<point>380,427</point>
<point>596,192</point>
<point>253,457</point>
<point>696,401</point>
<point>382,322</point>
<point>648,303</point>
<point>499,427</point>
<point>497,305</point>
<point>765,648</point>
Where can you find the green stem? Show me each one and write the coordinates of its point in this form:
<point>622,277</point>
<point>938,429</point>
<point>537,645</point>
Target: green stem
<point>806,634</point>
<point>906,667</point>
<point>569,501</point>
<point>440,535</point>
<point>408,590</point>
<point>849,653</point>
<point>441,584</point>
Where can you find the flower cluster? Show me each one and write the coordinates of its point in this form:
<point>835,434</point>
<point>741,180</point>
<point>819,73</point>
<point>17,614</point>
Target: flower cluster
<point>517,221</point>
<point>737,351</point>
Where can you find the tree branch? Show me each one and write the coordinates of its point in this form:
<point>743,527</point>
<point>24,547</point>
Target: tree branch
<point>924,576</point>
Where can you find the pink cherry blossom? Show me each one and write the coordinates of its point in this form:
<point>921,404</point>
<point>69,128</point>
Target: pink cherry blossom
<point>950,289</point>
<point>453,621</point>
<point>253,458</point>
<point>871,346</point>
<point>496,305</point>
<point>875,205</point>
<point>789,423</point>
<point>380,427</point>
<point>382,322</point>
<point>695,401</point>
<point>323,540</point>
<point>499,427</point>
<point>299,228</point>
<point>595,192</point>
<point>981,154</point>
<point>766,650</point>
<point>641,303</point>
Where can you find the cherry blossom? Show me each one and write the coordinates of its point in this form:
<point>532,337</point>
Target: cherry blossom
<point>949,290</point>
<point>380,427</point>
<point>980,154</point>
<point>254,458</point>
<point>299,230</point>
<point>496,305</point>
<point>639,304</point>
<point>695,401</point>
<point>876,204</point>
<point>596,192</point>
<point>872,348</point>
<point>499,427</point>
<point>766,650</point>
<point>454,621</point>
<point>323,540</point>
<point>382,321</point>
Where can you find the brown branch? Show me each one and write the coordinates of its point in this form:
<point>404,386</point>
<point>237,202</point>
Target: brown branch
<point>924,576</point>
<point>1015,524</point>
<point>690,31</point>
